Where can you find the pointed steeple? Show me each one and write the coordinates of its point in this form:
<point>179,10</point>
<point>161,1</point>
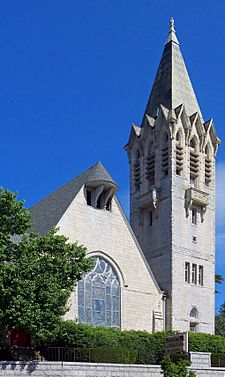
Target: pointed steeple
<point>172,86</point>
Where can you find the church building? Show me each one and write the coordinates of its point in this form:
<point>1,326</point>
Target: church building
<point>156,272</point>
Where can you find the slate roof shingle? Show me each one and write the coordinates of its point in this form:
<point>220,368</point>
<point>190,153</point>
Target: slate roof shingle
<point>46,214</point>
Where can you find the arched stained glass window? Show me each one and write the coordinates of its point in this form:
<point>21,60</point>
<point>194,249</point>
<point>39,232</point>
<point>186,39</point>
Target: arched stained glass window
<point>99,296</point>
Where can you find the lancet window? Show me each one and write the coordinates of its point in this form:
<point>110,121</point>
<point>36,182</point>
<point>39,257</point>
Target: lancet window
<point>99,296</point>
<point>179,153</point>
<point>150,164</point>
<point>208,166</point>
<point>194,162</point>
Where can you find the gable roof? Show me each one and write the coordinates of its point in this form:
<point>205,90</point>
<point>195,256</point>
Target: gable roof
<point>46,214</point>
<point>172,86</point>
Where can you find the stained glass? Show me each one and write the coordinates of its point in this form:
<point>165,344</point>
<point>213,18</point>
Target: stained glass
<point>99,296</point>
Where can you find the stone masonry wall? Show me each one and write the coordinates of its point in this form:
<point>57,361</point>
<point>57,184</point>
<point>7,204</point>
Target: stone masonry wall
<point>107,234</point>
<point>67,369</point>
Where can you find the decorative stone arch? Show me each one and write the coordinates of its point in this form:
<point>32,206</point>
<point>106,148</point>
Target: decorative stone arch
<point>99,293</point>
<point>208,150</point>
<point>180,137</point>
<point>112,261</point>
<point>194,142</point>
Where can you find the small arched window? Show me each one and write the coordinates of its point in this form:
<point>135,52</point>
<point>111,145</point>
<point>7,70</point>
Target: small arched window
<point>194,162</point>
<point>150,164</point>
<point>165,154</point>
<point>208,166</point>
<point>193,319</point>
<point>99,295</point>
<point>179,153</point>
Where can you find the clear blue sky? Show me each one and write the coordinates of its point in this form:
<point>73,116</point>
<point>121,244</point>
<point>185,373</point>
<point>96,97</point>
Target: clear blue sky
<point>74,75</point>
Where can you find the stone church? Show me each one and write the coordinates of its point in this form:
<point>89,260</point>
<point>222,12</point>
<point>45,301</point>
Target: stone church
<point>156,272</point>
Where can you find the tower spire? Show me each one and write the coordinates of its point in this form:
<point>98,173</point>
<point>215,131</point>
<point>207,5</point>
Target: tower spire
<point>172,86</point>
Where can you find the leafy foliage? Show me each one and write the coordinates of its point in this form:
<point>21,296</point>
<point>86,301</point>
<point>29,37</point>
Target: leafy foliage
<point>176,369</point>
<point>37,273</point>
<point>218,280</point>
<point>206,343</point>
<point>220,324</point>
<point>148,347</point>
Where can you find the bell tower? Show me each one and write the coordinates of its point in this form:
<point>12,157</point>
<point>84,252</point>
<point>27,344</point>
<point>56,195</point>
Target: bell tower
<point>172,193</point>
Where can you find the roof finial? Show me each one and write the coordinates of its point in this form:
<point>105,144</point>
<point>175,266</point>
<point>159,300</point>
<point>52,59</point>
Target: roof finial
<point>172,24</point>
<point>172,33</point>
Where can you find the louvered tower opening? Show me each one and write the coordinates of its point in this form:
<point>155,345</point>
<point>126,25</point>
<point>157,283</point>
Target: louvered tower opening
<point>165,156</point>
<point>194,162</point>
<point>150,165</point>
<point>208,166</point>
<point>179,154</point>
<point>136,172</point>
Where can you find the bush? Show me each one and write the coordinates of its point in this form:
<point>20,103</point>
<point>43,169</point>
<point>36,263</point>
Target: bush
<point>149,348</point>
<point>199,342</point>
<point>114,356</point>
<point>176,369</point>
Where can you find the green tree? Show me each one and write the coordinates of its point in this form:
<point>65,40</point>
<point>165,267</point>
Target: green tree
<point>220,324</point>
<point>37,273</point>
<point>218,280</point>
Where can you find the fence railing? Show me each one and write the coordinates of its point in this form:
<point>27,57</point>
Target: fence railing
<point>95,355</point>
<point>218,360</point>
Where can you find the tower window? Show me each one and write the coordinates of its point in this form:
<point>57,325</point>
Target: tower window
<point>179,154</point>
<point>136,172</point>
<point>187,272</point>
<point>194,162</point>
<point>194,273</point>
<point>200,275</point>
<point>165,155</point>
<point>150,165</point>
<point>194,216</point>
<point>208,167</point>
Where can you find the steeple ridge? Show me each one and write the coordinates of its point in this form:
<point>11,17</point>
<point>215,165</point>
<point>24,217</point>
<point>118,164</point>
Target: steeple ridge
<point>172,86</point>
<point>172,33</point>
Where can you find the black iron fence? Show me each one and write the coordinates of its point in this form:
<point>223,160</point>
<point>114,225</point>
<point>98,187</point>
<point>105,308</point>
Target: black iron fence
<point>88,355</point>
<point>218,360</point>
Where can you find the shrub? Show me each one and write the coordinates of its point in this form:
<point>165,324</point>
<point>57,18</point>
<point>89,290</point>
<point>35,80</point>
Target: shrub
<point>114,356</point>
<point>175,369</point>
<point>199,342</point>
<point>149,348</point>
